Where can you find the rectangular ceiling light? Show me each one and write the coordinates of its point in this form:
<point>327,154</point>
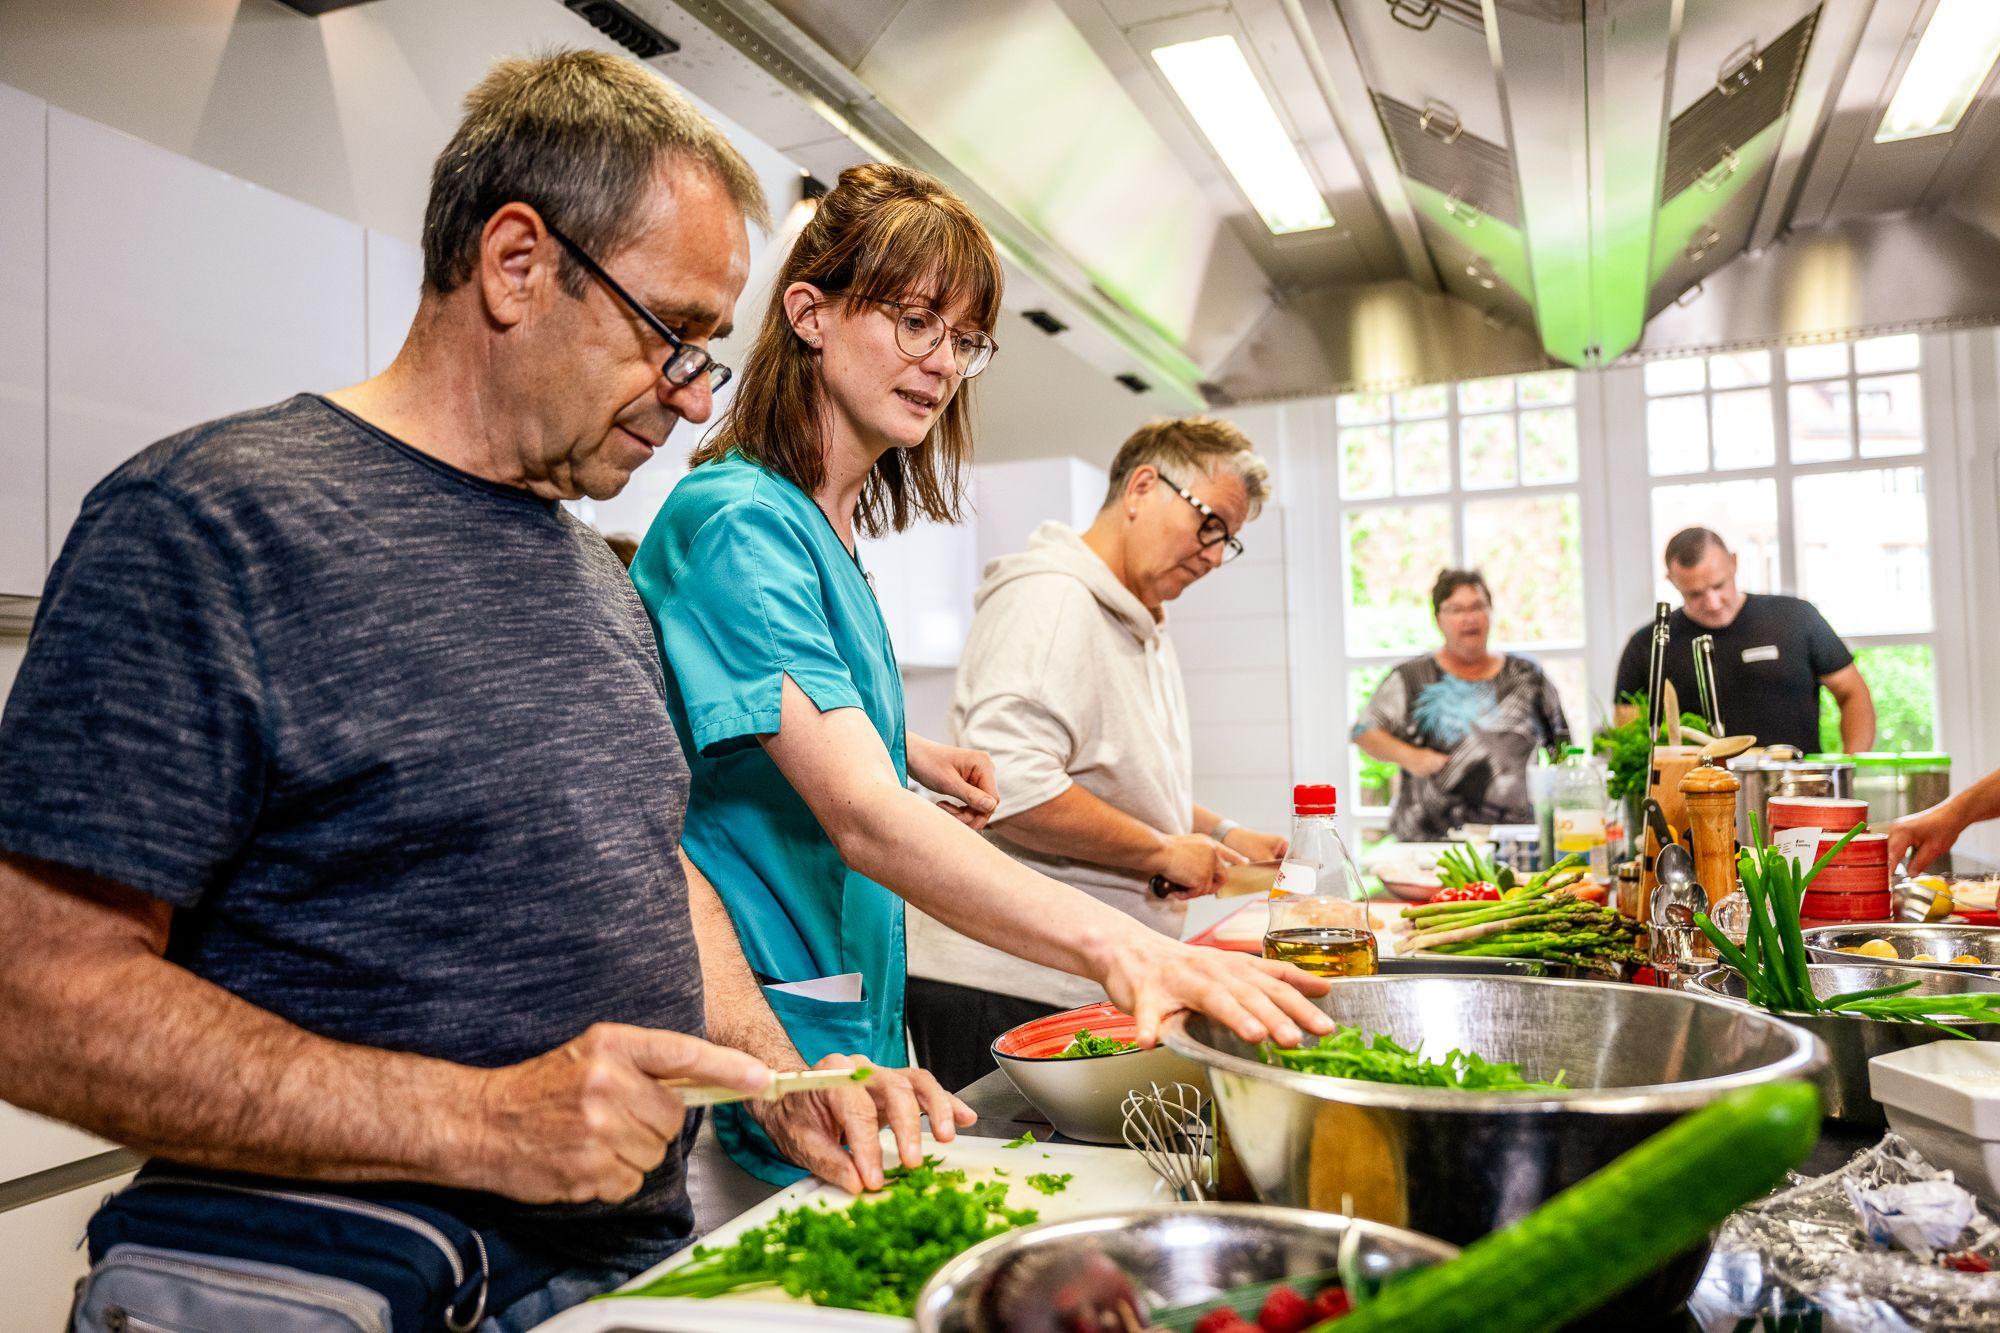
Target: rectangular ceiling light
<point>1952,61</point>
<point>1216,85</point>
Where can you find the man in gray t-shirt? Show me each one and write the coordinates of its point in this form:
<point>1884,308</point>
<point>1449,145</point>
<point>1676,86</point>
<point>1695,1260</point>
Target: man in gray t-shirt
<point>339,814</point>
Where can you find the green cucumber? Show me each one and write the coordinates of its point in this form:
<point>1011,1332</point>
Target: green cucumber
<point>1611,1229</point>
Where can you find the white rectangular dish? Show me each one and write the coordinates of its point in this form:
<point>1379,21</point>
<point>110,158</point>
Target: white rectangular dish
<point>1955,1083</point>
<point>1945,1099</point>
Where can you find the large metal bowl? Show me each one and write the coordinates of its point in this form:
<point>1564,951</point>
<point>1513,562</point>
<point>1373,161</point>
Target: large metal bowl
<point>1940,940</point>
<point>1851,1040</point>
<point>1458,1165</point>
<point>1174,1255</point>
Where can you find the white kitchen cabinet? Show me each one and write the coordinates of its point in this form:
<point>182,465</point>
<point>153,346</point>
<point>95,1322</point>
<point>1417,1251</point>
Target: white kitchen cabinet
<point>179,294</point>
<point>395,282</point>
<point>41,1243</point>
<point>1012,499</point>
<point>30,1143</point>
<point>23,399</point>
<point>924,579</point>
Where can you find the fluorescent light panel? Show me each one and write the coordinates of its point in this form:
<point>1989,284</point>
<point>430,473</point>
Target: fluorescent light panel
<point>1216,85</point>
<point>1953,58</point>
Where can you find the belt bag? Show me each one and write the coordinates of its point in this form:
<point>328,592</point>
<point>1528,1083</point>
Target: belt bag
<point>185,1250</point>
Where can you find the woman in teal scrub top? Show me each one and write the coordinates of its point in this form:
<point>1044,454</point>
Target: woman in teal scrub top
<point>782,682</point>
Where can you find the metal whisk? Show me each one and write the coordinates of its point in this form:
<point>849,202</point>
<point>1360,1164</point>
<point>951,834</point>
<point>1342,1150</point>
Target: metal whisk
<point>1169,1128</point>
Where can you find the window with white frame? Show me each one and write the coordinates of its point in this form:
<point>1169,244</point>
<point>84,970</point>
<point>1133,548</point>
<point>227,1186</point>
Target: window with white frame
<point>1810,463</point>
<point>1481,474</point>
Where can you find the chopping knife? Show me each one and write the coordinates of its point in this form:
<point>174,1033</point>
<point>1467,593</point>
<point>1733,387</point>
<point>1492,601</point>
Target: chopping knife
<point>1237,881</point>
<point>782,1085</point>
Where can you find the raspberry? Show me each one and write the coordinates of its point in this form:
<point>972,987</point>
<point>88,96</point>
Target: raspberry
<point>1285,1311</point>
<point>1332,1302</point>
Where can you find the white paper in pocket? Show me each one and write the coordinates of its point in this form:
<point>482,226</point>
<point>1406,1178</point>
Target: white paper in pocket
<point>843,989</point>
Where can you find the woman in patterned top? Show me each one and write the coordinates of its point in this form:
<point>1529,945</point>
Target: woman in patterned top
<point>1461,722</point>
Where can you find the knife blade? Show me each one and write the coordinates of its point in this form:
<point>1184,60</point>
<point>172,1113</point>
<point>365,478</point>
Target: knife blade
<point>1238,881</point>
<point>782,1085</point>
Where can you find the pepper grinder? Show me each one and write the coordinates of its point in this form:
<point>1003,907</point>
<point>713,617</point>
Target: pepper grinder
<point>1709,790</point>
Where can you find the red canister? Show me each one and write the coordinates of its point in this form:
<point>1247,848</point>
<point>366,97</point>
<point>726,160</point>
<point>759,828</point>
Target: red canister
<point>1833,814</point>
<point>1851,879</point>
<point>1867,849</point>
<point>1822,909</point>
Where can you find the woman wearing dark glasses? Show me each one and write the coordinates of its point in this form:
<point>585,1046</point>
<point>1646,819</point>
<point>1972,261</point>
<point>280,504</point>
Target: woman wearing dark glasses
<point>851,419</point>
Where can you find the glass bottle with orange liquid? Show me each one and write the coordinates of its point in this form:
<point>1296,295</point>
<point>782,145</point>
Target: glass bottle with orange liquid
<point>1318,919</point>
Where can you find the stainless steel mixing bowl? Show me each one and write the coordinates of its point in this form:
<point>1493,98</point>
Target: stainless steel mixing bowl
<point>1940,940</point>
<point>1851,1040</point>
<point>1173,1255</point>
<point>1458,1165</point>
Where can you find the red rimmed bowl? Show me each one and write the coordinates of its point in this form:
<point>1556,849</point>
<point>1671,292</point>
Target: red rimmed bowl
<point>1083,1096</point>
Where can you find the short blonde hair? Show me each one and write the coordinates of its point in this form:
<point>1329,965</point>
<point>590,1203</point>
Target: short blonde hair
<point>1183,447</point>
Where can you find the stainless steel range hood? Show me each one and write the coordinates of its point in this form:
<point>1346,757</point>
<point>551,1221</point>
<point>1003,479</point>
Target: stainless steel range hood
<point>1515,183</point>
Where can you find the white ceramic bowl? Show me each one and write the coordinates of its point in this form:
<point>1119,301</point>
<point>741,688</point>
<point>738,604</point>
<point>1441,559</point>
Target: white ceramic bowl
<point>1083,1096</point>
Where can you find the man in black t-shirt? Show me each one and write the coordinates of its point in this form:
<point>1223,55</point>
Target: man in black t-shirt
<point>1772,653</point>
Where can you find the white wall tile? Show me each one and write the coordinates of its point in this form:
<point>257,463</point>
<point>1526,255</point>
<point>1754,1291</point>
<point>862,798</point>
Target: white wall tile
<point>1232,645</point>
<point>1233,592</point>
<point>1237,694</point>
<point>1227,749</point>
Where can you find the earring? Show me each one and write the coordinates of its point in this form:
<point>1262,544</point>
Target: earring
<point>812,342</point>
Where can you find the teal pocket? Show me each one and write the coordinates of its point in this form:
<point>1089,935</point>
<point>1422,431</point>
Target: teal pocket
<point>820,1028</point>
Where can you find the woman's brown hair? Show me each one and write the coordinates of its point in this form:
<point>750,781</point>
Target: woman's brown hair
<point>885,233</point>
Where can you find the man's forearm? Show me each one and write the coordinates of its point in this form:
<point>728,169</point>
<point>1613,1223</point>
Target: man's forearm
<point>1084,827</point>
<point>738,1014</point>
<point>1857,722</point>
<point>106,1034</point>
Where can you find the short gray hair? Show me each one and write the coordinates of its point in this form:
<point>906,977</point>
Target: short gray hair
<point>1185,447</point>
<point>577,136</point>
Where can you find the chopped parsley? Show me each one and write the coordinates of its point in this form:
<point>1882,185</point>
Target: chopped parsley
<point>875,1255</point>
<point>1043,1182</point>
<point>1027,1137</point>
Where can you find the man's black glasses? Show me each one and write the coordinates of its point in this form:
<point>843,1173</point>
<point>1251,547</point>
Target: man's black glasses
<point>1213,530</point>
<point>686,363</point>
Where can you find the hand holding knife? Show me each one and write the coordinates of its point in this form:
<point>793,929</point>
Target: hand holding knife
<point>782,1085</point>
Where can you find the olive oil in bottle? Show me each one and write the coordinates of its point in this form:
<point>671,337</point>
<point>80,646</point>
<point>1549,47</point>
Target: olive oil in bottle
<point>1327,951</point>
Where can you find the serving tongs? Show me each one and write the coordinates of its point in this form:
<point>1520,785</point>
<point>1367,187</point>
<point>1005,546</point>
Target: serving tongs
<point>1704,683</point>
<point>782,1085</point>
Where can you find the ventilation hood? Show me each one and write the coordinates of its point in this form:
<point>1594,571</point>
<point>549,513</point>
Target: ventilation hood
<point>1514,183</point>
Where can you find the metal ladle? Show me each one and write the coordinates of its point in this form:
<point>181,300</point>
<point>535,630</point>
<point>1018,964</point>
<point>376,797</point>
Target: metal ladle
<point>1677,898</point>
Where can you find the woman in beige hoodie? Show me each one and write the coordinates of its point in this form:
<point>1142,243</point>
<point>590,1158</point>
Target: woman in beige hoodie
<point>1070,682</point>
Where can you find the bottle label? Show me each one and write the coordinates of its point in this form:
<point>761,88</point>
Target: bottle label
<point>1296,877</point>
<point>1579,830</point>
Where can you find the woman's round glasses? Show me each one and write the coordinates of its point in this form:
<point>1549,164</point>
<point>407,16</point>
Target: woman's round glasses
<point>919,329</point>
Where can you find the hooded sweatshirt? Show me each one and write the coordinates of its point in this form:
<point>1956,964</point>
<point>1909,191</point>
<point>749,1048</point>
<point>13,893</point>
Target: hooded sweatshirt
<point>1066,678</point>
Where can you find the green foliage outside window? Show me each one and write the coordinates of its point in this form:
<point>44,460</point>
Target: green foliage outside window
<point>1903,682</point>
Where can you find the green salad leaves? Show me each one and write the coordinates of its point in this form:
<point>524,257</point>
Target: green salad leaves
<point>1346,1053</point>
<point>1087,1043</point>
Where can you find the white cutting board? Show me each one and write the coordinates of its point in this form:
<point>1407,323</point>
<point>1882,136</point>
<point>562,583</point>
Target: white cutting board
<point>1102,1180</point>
